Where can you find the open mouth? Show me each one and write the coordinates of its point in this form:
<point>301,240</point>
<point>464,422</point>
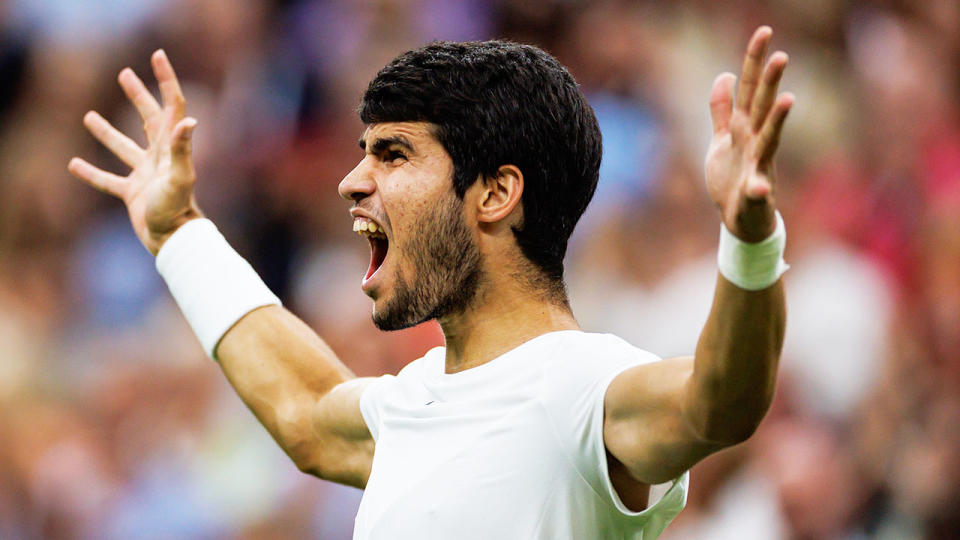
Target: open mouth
<point>378,243</point>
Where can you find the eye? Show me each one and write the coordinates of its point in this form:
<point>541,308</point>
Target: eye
<point>394,155</point>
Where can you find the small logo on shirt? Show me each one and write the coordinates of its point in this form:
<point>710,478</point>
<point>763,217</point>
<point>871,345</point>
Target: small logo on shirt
<point>429,402</point>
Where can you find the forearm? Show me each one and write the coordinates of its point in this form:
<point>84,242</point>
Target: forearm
<point>664,417</point>
<point>280,368</point>
<point>735,365</point>
<point>278,365</point>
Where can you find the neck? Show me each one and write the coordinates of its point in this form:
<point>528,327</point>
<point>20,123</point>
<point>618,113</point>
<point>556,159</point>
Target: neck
<point>504,316</point>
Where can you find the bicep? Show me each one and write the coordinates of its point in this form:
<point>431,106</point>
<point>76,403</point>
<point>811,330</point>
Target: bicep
<point>344,450</point>
<point>300,391</point>
<point>644,424</point>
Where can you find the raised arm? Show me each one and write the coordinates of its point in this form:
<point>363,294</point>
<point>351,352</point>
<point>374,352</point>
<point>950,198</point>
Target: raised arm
<point>295,385</point>
<point>662,418</point>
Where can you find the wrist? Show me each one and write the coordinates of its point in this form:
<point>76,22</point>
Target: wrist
<point>212,284</point>
<point>157,239</point>
<point>752,222</point>
<point>753,266</point>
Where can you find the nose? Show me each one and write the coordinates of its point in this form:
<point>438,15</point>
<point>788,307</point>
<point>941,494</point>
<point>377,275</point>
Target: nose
<point>357,184</point>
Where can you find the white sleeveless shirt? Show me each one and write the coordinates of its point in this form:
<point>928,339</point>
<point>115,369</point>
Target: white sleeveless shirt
<point>511,449</point>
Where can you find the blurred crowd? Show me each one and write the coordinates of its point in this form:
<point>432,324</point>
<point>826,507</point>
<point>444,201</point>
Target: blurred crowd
<point>113,424</point>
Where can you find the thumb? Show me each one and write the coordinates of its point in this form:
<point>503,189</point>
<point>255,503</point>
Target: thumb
<point>181,150</point>
<point>757,188</point>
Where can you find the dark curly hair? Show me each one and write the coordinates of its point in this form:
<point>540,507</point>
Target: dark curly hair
<point>495,103</point>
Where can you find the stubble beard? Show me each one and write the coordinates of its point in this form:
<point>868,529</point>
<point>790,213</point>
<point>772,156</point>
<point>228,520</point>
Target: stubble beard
<point>448,270</point>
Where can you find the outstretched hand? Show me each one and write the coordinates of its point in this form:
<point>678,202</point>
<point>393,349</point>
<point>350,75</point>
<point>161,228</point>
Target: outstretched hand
<point>158,192</point>
<point>746,132</point>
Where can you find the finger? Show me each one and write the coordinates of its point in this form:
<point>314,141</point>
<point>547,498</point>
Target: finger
<point>721,101</point>
<point>118,143</point>
<point>767,91</point>
<point>138,94</point>
<point>98,178</point>
<point>769,137</point>
<point>181,152</point>
<point>170,90</point>
<point>752,65</point>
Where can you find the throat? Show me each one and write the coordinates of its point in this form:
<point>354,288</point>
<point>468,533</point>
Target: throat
<point>492,328</point>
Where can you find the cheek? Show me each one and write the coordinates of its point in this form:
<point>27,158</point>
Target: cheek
<point>407,198</point>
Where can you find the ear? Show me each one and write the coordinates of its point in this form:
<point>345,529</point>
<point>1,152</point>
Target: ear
<point>500,194</point>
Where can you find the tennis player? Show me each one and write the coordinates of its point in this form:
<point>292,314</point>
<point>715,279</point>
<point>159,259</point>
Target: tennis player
<point>479,158</point>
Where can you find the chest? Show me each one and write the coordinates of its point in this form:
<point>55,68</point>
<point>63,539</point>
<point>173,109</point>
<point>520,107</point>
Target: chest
<point>433,455</point>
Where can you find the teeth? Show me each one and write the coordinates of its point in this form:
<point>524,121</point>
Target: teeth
<point>366,227</point>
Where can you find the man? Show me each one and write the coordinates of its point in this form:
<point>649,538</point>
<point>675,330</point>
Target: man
<point>479,158</point>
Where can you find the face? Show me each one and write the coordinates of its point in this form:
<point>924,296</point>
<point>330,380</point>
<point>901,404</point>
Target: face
<point>425,262</point>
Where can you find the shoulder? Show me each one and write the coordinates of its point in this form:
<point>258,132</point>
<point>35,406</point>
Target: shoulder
<point>420,367</point>
<point>385,389</point>
<point>413,373</point>
<point>580,368</point>
<point>582,353</point>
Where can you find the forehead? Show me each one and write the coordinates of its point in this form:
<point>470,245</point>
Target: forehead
<point>419,134</point>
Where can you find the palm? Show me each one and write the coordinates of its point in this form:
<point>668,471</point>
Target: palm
<point>739,165</point>
<point>158,192</point>
<point>157,198</point>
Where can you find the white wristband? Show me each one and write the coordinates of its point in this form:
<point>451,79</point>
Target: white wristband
<point>213,285</point>
<point>753,266</point>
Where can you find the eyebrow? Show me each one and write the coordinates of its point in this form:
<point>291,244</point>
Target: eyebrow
<point>382,143</point>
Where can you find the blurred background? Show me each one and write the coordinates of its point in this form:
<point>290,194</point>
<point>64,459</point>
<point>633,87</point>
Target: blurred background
<point>113,424</point>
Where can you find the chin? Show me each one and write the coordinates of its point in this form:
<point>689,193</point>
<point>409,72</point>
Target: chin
<point>379,312</point>
<point>388,316</point>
